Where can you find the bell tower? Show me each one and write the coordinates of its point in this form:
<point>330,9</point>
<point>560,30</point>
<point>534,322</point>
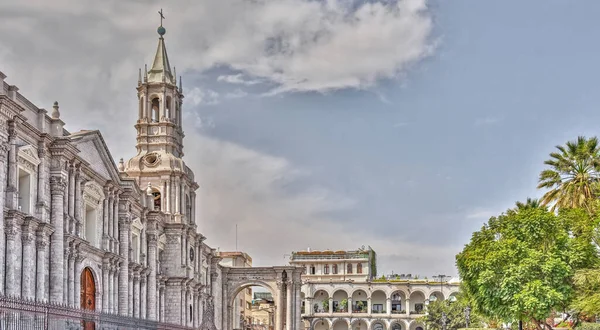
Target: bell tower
<point>158,165</point>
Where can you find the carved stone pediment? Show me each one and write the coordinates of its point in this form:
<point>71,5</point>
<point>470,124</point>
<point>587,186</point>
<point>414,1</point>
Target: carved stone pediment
<point>28,157</point>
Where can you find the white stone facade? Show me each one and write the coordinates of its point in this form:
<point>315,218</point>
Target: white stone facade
<point>373,305</point>
<point>68,208</point>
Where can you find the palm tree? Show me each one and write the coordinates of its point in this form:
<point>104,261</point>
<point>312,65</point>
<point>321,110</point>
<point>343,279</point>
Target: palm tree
<point>573,176</point>
<point>531,203</point>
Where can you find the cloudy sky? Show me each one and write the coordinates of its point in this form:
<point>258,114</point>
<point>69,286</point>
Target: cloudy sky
<point>399,124</point>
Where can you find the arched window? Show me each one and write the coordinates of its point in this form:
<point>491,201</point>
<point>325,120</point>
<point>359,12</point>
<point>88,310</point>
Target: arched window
<point>334,269</point>
<point>157,199</point>
<point>168,109</point>
<point>358,268</point>
<point>191,314</point>
<point>349,269</point>
<point>155,110</point>
<point>326,269</point>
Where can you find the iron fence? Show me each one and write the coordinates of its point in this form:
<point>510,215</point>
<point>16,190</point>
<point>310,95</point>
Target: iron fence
<point>20,314</point>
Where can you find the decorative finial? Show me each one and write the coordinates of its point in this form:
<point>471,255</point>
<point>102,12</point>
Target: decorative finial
<point>161,30</point>
<point>174,81</point>
<point>145,72</point>
<point>55,112</point>
<point>149,189</point>
<point>180,85</point>
<point>121,165</point>
<point>140,77</point>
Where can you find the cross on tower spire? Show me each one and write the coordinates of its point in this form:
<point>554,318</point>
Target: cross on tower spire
<point>161,16</point>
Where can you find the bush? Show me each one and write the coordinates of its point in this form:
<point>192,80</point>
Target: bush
<point>589,326</point>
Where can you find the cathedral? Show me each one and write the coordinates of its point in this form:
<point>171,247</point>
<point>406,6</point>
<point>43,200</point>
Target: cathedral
<point>80,230</point>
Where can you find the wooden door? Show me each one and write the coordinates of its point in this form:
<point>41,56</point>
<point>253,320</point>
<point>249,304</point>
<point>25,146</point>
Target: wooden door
<point>88,296</point>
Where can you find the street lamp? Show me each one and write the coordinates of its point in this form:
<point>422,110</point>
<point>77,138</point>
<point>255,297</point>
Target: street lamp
<point>467,315</point>
<point>441,278</point>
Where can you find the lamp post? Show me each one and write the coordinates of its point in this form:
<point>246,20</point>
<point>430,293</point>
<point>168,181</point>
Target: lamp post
<point>444,319</point>
<point>467,315</point>
<point>441,278</point>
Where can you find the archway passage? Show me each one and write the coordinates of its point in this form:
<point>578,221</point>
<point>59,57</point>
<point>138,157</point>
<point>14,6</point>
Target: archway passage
<point>284,284</point>
<point>88,295</point>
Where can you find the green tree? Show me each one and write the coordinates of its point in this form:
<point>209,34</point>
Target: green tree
<point>587,288</point>
<point>455,315</point>
<point>519,266</point>
<point>573,175</point>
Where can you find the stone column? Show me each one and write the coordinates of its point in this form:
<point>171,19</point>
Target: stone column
<point>298,303</point>
<point>388,306</point>
<point>152,296</point>
<point>124,222</point>
<point>407,306</point>
<point>105,236</point>
<point>29,268</point>
<point>71,191</point>
<point>12,228</point>
<point>143,297</point>
<point>116,228</point>
<point>42,243</point>
<point>195,314</point>
<point>72,277</point>
<point>105,284</point>
<point>184,250</point>
<point>136,295</point>
<point>116,302</point>
<point>168,196</point>
<point>77,276</point>
<point>12,171</point>
<point>350,306</point>
<point>193,215</point>
<point>42,213</point>
<point>111,209</point>
<point>4,147</point>
<point>280,302</point>
<point>162,304</point>
<point>177,195</point>
<point>289,303</point>
<point>78,203</point>
<point>163,197</point>
<point>130,295</point>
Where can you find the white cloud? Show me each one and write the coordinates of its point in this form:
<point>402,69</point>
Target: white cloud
<point>303,45</point>
<point>202,96</point>
<point>237,79</point>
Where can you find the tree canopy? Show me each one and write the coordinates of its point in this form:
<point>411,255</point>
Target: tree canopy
<point>519,266</point>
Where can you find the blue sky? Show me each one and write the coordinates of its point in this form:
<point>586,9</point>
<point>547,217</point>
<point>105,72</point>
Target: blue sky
<point>329,144</point>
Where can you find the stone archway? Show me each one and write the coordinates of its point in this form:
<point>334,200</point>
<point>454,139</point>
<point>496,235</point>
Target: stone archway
<point>283,282</point>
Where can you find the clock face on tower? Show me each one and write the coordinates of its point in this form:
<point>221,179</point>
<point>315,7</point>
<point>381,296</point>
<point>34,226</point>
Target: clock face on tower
<point>191,254</point>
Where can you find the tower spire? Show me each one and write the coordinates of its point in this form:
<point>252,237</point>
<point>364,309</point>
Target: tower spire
<point>161,69</point>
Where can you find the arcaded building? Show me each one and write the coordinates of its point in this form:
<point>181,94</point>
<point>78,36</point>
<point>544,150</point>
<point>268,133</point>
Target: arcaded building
<point>341,290</point>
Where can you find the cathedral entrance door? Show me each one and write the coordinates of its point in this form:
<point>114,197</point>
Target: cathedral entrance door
<point>88,296</point>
